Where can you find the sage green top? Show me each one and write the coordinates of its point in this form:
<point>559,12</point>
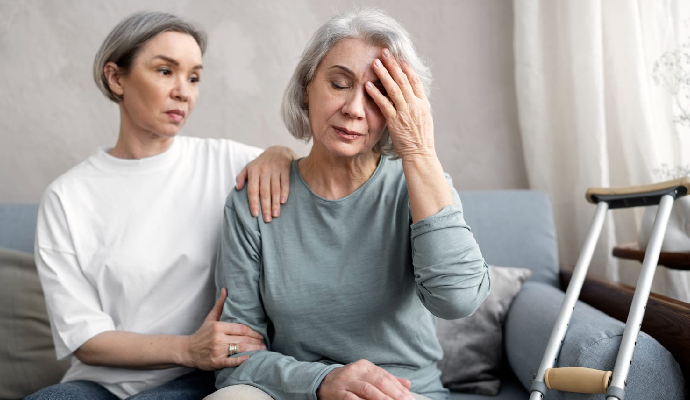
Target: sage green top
<point>334,281</point>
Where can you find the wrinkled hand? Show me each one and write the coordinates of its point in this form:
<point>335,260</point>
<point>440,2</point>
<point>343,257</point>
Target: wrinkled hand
<point>363,380</point>
<point>269,179</point>
<point>208,348</point>
<point>406,108</point>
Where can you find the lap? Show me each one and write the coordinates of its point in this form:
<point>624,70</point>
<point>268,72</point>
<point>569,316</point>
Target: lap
<point>239,392</point>
<point>246,392</point>
<point>76,390</point>
<point>193,386</point>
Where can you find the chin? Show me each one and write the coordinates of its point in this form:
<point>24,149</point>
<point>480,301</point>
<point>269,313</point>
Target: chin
<point>347,150</point>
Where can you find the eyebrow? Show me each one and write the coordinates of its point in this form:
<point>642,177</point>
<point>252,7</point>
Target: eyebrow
<point>349,71</point>
<point>175,62</point>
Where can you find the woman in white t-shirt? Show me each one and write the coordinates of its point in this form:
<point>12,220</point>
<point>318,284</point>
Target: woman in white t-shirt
<point>126,240</point>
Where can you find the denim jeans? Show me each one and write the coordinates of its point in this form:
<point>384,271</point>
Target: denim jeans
<point>193,386</point>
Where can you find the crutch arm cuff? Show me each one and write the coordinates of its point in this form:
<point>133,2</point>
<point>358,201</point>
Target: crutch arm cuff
<point>635,196</point>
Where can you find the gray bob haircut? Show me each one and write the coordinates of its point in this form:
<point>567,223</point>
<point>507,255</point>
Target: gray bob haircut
<point>373,26</point>
<point>125,40</point>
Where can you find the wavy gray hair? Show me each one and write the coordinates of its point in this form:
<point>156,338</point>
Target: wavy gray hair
<point>373,26</point>
<point>127,38</point>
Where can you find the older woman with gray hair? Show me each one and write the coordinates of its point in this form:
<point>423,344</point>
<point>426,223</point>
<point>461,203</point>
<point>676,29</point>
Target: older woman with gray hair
<point>126,240</point>
<point>373,243</point>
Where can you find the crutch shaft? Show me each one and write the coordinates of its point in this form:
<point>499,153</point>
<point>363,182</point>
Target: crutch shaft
<point>571,295</point>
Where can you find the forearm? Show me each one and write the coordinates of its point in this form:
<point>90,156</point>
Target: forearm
<point>452,277</point>
<point>134,350</point>
<point>281,376</point>
<point>426,184</point>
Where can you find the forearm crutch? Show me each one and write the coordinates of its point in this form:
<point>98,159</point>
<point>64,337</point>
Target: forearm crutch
<point>587,380</point>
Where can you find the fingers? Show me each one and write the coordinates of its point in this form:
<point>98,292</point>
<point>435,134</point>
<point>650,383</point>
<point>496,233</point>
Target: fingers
<point>217,309</point>
<point>275,195</point>
<point>241,178</point>
<point>253,193</point>
<point>265,194</point>
<point>404,382</point>
<point>413,78</point>
<point>385,105</point>
<point>247,347</point>
<point>237,330</point>
<point>244,340</point>
<point>395,94</point>
<point>399,77</point>
<point>284,185</point>
<point>232,362</point>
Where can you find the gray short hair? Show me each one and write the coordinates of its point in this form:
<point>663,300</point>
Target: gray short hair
<point>127,38</point>
<point>373,26</point>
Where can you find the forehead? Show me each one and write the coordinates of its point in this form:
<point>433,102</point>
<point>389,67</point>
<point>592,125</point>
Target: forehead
<point>355,54</point>
<point>177,45</point>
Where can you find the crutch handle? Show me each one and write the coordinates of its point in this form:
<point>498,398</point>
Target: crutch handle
<point>635,196</point>
<point>577,379</point>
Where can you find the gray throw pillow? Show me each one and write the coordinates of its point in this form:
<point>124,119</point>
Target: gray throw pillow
<point>473,346</point>
<point>27,353</point>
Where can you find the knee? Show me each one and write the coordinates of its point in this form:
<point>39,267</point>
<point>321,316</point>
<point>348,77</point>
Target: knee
<point>73,391</point>
<point>239,392</point>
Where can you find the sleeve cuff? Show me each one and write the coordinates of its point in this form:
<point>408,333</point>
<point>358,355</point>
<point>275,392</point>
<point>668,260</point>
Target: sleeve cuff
<point>319,378</point>
<point>449,216</point>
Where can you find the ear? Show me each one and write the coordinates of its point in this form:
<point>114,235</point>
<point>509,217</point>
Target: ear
<point>114,78</point>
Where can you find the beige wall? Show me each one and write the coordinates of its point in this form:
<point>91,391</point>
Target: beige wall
<point>52,116</point>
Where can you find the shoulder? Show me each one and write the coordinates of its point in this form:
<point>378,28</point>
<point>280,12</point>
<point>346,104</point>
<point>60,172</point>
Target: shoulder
<point>71,180</point>
<point>237,206</point>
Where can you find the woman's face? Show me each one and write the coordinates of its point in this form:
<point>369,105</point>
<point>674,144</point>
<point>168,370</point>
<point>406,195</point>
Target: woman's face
<point>161,88</point>
<point>342,116</point>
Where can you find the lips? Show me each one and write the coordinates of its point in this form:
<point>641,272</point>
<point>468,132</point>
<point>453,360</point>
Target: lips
<point>347,134</point>
<point>176,115</point>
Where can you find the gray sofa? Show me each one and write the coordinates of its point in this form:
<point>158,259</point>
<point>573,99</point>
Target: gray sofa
<point>513,229</point>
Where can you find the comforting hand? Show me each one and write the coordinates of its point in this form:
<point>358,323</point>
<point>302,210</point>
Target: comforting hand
<point>209,347</point>
<point>405,107</point>
<point>269,178</point>
<point>363,380</point>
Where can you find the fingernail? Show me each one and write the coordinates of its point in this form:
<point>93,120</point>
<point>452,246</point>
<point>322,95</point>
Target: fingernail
<point>263,347</point>
<point>255,212</point>
<point>267,218</point>
<point>378,63</point>
<point>386,53</point>
<point>370,85</point>
<point>283,200</point>
<point>275,213</point>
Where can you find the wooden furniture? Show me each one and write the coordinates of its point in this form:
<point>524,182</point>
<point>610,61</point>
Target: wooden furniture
<point>667,320</point>
<point>631,251</point>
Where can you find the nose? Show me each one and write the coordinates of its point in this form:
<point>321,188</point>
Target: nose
<point>355,104</point>
<point>181,91</point>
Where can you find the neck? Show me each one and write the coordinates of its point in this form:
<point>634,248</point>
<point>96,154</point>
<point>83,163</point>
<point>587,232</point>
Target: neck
<point>135,143</point>
<point>333,177</point>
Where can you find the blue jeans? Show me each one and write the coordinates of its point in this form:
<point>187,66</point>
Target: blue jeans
<point>193,386</point>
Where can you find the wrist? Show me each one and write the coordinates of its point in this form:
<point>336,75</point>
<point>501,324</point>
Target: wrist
<point>183,354</point>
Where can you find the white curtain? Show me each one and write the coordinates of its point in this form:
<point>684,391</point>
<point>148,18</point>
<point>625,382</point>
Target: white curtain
<point>591,115</point>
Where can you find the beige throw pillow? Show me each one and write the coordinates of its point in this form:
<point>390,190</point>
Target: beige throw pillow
<point>27,354</point>
<point>473,346</point>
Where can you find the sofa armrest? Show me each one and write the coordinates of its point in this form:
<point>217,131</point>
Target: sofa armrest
<point>667,320</point>
<point>592,341</point>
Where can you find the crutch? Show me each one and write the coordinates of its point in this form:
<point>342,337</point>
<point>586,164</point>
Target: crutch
<point>587,380</point>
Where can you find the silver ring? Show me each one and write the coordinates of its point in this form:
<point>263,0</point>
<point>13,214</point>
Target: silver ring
<point>232,349</point>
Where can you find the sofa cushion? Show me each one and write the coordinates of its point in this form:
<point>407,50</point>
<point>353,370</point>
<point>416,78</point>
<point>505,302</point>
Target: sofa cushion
<point>515,228</point>
<point>473,346</point>
<point>592,341</point>
<point>27,354</point>
<point>18,226</point>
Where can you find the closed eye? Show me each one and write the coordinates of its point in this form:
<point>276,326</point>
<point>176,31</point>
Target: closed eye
<point>337,86</point>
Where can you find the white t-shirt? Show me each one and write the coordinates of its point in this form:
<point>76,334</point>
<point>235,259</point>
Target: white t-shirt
<point>129,245</point>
